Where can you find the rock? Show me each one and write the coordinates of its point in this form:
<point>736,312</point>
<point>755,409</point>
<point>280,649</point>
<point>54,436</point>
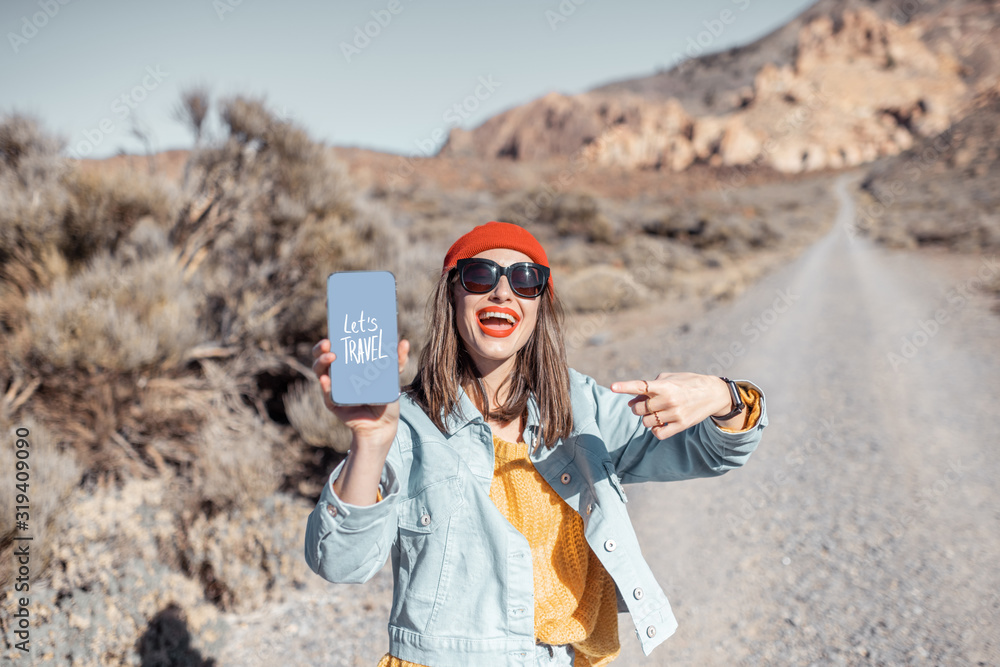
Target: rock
<point>602,289</point>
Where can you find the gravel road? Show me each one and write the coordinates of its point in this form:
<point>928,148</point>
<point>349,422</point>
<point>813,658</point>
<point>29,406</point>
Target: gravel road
<point>865,530</point>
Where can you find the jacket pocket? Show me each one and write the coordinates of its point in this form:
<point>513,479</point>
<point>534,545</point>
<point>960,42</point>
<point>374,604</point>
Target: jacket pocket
<point>425,551</point>
<point>431,507</point>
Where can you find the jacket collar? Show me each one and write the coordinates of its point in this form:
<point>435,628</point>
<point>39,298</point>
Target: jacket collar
<point>466,413</point>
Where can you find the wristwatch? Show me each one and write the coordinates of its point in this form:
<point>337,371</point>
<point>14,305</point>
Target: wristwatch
<point>738,403</point>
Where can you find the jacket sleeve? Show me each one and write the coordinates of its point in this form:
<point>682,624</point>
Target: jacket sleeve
<point>702,450</point>
<point>349,543</point>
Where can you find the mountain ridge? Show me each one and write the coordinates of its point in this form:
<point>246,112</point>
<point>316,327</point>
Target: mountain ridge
<point>842,84</point>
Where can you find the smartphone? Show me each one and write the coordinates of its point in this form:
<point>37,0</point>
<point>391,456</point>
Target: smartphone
<point>361,321</point>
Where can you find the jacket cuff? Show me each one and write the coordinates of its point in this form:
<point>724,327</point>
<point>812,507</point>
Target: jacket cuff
<point>347,518</point>
<point>755,414</point>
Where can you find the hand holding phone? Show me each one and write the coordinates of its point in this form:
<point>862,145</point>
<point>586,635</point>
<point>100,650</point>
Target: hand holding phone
<point>373,429</point>
<point>371,425</point>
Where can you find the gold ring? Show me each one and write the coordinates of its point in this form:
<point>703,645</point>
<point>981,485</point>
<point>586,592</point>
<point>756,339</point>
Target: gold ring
<point>647,387</point>
<point>648,411</point>
<point>658,422</point>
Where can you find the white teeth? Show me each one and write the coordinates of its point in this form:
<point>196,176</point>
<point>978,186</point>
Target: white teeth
<point>489,313</point>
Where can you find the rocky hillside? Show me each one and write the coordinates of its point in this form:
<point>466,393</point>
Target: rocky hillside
<point>840,85</point>
<point>945,190</point>
<point>710,84</point>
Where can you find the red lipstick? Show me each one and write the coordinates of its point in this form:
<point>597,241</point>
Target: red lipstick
<point>499,327</point>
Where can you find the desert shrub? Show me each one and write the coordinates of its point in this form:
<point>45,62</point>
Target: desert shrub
<point>50,205</point>
<point>116,315</point>
<point>271,215</point>
<point>105,206</point>
<point>31,219</point>
<point>52,475</point>
<point>250,555</point>
<point>21,139</point>
<point>312,421</point>
<point>569,213</point>
<point>54,217</point>
<point>192,110</point>
<point>601,288</point>
<point>713,230</point>
<point>236,461</point>
<point>33,204</point>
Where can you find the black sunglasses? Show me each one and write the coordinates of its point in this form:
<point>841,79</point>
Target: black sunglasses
<point>479,276</point>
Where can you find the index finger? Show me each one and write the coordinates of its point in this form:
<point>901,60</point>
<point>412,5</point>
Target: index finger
<point>318,347</point>
<point>637,387</point>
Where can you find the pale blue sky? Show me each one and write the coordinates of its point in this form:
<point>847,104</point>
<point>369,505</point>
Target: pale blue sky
<point>72,69</point>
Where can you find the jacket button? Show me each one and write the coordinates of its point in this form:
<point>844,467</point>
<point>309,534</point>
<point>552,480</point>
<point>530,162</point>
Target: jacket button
<point>590,508</point>
<point>610,545</point>
<point>425,520</point>
<point>331,510</point>
<point>637,593</point>
<point>565,478</point>
<point>651,631</point>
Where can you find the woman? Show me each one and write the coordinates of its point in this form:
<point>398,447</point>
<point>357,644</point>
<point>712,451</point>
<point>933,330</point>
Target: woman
<point>495,482</point>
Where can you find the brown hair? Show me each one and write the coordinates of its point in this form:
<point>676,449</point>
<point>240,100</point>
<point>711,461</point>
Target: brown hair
<point>541,368</point>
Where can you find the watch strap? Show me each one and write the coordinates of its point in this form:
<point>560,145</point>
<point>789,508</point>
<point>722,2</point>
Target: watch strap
<point>738,404</point>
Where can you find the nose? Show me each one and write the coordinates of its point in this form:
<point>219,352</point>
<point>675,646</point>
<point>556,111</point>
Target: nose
<point>502,291</point>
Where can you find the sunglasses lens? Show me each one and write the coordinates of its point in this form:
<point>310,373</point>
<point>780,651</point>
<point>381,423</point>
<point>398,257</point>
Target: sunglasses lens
<point>527,280</point>
<point>478,277</point>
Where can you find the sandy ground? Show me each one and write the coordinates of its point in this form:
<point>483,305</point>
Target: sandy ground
<point>865,528</point>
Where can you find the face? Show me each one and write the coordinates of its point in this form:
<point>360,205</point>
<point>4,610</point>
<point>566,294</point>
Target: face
<point>491,340</point>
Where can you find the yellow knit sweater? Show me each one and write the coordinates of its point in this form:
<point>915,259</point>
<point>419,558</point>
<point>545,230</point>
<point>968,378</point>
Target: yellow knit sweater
<point>575,600</point>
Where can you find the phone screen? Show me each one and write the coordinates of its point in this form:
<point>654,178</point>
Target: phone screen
<point>361,320</point>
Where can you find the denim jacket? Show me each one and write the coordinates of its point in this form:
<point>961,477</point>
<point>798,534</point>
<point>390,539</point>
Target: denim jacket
<point>463,586</point>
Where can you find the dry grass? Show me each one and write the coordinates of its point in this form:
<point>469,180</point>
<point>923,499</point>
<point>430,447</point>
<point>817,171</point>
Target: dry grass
<point>116,315</point>
<point>312,421</point>
<point>105,206</point>
<point>35,203</point>
<point>237,460</point>
<point>51,207</point>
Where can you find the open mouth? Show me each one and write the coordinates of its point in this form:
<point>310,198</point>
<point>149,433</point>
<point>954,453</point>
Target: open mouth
<point>497,322</point>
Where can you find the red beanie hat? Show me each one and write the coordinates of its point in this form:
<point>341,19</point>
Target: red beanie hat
<point>497,235</point>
